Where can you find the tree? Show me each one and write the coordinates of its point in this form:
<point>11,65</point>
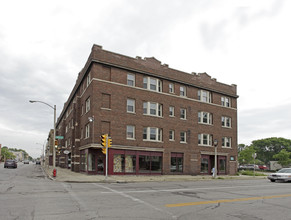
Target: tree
<point>283,157</point>
<point>268,147</point>
<point>6,154</point>
<point>246,155</point>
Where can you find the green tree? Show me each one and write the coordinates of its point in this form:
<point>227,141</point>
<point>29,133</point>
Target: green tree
<point>246,155</point>
<point>6,154</point>
<point>283,157</point>
<point>268,147</point>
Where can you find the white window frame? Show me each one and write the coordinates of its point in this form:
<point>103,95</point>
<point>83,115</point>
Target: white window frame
<point>226,142</point>
<point>87,104</point>
<point>171,88</point>
<point>87,131</point>
<point>225,122</point>
<point>153,109</point>
<point>88,79</point>
<point>152,134</point>
<point>132,104</point>
<point>183,91</point>
<point>204,96</point>
<point>183,137</point>
<point>183,113</point>
<point>152,84</point>
<point>171,135</point>
<point>171,111</point>
<point>205,139</point>
<point>130,132</point>
<point>205,115</point>
<point>225,101</point>
<point>130,79</point>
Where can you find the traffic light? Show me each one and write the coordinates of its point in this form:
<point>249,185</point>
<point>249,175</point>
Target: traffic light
<point>104,150</point>
<point>109,142</point>
<point>103,140</point>
<point>56,142</point>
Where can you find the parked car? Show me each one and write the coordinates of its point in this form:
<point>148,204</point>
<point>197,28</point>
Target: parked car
<point>26,162</point>
<point>249,167</point>
<point>283,174</point>
<point>10,163</point>
<point>37,162</point>
<point>263,167</point>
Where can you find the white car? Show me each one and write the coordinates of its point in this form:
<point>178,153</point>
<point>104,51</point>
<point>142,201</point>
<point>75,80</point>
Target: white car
<point>283,174</point>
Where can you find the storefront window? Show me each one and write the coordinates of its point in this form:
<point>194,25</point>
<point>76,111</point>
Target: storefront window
<point>118,163</point>
<point>130,163</point>
<point>144,164</point>
<point>91,162</point>
<point>156,164</point>
<point>204,165</point>
<point>83,164</point>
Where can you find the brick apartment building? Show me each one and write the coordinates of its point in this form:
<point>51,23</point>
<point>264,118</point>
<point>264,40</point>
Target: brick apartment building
<point>161,120</point>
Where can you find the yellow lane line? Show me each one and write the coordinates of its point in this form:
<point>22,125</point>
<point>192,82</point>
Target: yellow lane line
<point>227,200</point>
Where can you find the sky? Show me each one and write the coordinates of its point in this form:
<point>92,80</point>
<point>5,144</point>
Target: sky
<point>45,44</point>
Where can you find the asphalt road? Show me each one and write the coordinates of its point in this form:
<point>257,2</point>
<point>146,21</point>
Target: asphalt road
<point>25,193</point>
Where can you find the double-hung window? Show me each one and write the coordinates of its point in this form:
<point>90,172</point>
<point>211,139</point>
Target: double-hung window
<point>171,135</point>
<point>205,118</point>
<point>225,101</point>
<point>87,131</point>
<point>226,142</point>
<point>152,84</point>
<point>183,113</point>
<point>183,137</point>
<point>152,134</point>
<point>171,88</point>
<point>205,139</point>
<point>172,111</point>
<point>204,96</point>
<point>182,91</point>
<point>130,105</point>
<point>87,105</point>
<point>130,132</point>
<point>226,122</point>
<point>88,79</point>
<point>130,79</point>
<point>153,109</point>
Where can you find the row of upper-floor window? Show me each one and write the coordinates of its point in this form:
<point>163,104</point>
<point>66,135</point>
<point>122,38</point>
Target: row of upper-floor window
<point>156,109</point>
<point>155,84</point>
<point>156,135</point>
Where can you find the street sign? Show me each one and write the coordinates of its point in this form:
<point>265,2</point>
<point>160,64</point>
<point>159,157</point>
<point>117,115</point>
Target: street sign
<point>59,137</point>
<point>66,152</point>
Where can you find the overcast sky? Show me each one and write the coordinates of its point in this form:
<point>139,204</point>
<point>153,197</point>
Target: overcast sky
<point>44,45</point>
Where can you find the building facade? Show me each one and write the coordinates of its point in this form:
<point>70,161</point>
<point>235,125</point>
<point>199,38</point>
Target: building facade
<point>161,120</point>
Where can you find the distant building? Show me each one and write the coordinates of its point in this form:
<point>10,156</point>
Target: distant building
<point>19,155</point>
<point>161,120</point>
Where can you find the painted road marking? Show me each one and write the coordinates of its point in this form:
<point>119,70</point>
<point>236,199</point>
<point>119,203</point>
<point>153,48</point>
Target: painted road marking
<point>227,200</point>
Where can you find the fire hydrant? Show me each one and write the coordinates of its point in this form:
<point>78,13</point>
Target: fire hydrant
<point>54,173</point>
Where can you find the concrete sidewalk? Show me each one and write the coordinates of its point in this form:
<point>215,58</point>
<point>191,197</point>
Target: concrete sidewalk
<point>66,175</point>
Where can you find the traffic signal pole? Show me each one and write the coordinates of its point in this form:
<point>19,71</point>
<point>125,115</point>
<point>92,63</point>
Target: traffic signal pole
<point>106,170</point>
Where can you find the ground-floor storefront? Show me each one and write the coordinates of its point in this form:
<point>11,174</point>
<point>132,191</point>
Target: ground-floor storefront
<point>141,162</point>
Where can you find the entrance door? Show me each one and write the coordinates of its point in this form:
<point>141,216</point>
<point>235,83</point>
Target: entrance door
<point>100,164</point>
<point>205,164</point>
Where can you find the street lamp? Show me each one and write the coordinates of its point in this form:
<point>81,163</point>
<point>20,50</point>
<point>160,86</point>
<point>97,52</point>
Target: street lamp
<point>91,119</point>
<point>215,157</point>
<point>54,138</point>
